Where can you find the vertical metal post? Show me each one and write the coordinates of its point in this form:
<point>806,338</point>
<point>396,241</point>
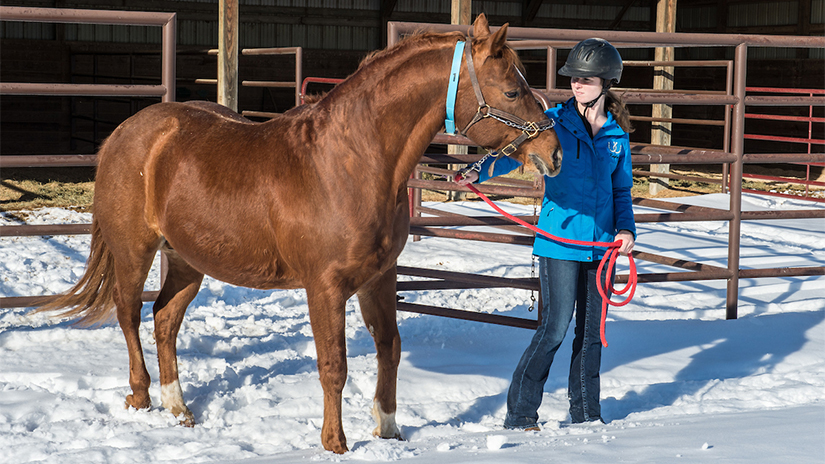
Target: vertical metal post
<point>168,57</point>
<point>168,75</point>
<point>299,74</point>
<point>228,54</point>
<point>552,56</point>
<point>415,199</point>
<point>726,133</point>
<point>738,149</point>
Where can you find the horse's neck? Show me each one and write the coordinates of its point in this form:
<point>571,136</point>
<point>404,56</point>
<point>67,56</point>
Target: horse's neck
<point>400,101</point>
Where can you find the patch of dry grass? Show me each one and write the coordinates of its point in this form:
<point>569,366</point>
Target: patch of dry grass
<point>33,188</point>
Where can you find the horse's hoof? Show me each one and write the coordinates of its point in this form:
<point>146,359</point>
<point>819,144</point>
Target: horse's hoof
<point>337,443</point>
<point>336,448</point>
<point>186,418</point>
<point>396,435</point>
<point>131,402</point>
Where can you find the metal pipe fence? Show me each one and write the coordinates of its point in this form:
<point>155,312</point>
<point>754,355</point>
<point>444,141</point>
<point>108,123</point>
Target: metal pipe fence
<point>294,84</point>
<point>641,153</point>
<point>166,92</point>
<point>732,155</point>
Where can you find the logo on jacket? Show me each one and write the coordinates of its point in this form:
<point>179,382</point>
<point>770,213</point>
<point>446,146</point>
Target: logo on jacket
<point>614,148</point>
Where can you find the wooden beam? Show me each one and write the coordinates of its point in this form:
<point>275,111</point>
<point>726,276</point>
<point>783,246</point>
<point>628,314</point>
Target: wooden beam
<point>228,54</point>
<point>460,13</point>
<point>662,80</point>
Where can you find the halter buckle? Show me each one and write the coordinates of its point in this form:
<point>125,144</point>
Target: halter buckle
<point>509,149</point>
<point>531,129</point>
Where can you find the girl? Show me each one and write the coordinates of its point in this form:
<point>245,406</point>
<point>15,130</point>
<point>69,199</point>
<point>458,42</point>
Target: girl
<point>588,200</point>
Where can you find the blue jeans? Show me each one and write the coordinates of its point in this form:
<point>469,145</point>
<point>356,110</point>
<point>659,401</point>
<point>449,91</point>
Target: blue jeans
<point>565,286</point>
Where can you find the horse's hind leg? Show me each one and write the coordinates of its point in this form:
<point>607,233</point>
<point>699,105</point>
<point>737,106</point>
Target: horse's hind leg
<point>179,289</point>
<point>130,274</point>
<point>378,306</point>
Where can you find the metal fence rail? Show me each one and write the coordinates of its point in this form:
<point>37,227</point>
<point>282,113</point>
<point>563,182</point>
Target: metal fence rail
<point>165,90</point>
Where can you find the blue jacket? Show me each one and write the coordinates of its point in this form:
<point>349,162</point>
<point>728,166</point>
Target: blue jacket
<point>589,199</point>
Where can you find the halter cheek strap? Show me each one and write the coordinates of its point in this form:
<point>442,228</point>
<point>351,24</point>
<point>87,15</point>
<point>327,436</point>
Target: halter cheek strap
<point>452,90</point>
<point>529,129</point>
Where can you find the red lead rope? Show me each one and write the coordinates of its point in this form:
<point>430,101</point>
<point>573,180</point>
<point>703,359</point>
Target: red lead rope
<point>604,286</point>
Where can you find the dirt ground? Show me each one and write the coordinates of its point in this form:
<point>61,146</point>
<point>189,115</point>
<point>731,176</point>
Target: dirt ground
<point>32,188</point>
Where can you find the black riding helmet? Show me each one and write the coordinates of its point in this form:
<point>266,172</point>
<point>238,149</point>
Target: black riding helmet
<point>594,58</point>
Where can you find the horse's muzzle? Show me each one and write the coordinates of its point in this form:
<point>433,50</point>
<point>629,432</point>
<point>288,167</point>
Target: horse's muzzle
<point>543,167</point>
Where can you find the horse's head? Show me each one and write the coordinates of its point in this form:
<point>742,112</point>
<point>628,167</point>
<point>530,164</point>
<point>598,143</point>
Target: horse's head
<point>496,107</point>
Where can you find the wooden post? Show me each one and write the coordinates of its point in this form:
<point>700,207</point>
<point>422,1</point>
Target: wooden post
<point>228,53</point>
<point>662,80</point>
<point>460,13</point>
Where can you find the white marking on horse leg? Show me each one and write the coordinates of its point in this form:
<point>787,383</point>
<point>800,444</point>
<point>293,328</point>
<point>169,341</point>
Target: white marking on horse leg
<point>171,396</point>
<point>386,423</point>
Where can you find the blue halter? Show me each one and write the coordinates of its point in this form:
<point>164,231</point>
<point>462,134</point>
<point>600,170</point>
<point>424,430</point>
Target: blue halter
<point>455,70</point>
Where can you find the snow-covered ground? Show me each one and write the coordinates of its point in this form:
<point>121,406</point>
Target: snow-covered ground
<point>679,383</point>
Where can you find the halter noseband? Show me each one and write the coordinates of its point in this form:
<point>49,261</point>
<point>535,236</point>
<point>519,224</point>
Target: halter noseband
<point>529,129</point>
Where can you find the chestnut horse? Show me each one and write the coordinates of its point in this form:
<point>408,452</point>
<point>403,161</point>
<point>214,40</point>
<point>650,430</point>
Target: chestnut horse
<point>315,198</point>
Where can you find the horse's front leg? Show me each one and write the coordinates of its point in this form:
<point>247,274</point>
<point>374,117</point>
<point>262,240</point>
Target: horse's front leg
<point>326,315</point>
<point>378,306</point>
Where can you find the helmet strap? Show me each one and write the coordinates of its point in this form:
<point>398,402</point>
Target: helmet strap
<point>605,87</point>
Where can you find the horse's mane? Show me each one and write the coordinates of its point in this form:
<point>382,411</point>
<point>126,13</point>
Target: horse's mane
<point>428,37</point>
<point>415,38</point>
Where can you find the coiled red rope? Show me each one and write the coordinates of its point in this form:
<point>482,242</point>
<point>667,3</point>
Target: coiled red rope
<point>603,284</point>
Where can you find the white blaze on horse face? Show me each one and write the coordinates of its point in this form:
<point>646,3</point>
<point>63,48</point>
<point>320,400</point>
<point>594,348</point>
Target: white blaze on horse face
<point>386,423</point>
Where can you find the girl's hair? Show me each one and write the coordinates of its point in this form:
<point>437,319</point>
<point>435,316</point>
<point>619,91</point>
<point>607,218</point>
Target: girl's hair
<point>615,105</point>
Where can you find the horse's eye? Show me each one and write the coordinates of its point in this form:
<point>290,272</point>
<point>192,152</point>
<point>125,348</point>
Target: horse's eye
<point>511,94</point>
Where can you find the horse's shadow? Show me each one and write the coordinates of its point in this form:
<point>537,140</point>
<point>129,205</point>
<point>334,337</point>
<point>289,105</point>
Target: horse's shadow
<point>725,351</point>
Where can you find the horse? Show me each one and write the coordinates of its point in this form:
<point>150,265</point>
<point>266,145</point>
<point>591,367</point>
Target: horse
<point>315,198</point>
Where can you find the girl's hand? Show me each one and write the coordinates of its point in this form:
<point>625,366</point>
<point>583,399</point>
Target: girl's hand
<point>627,241</point>
<point>468,177</point>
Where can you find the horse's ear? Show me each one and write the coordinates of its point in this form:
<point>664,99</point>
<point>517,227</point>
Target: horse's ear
<point>499,40</point>
<point>481,28</point>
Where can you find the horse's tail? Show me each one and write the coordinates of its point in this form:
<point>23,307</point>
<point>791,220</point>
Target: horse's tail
<point>91,301</point>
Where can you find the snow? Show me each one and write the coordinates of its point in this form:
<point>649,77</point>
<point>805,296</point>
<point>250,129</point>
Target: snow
<point>679,383</point>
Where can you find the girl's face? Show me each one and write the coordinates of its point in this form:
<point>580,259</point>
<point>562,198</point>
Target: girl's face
<point>586,89</point>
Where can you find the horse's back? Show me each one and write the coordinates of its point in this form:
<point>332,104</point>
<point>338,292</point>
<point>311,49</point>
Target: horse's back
<point>203,178</point>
